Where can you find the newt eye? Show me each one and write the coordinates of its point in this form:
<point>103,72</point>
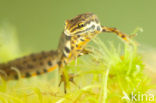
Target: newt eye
<point>81,25</point>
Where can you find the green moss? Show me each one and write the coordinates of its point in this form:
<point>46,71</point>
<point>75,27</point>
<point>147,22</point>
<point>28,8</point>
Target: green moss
<point>104,76</point>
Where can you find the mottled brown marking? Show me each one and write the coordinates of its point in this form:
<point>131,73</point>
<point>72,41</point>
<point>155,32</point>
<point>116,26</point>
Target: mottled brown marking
<point>30,66</point>
<point>82,40</point>
<point>27,74</point>
<point>38,72</point>
<point>59,63</point>
<point>24,62</point>
<point>16,77</point>
<point>78,27</point>
<point>123,36</point>
<point>72,47</point>
<point>67,49</point>
<point>50,63</point>
<point>34,59</point>
<point>68,37</point>
<point>45,70</point>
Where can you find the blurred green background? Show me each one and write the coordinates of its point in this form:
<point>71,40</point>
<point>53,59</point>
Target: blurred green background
<point>39,23</point>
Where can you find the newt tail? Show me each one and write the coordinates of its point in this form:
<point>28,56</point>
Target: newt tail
<point>28,66</point>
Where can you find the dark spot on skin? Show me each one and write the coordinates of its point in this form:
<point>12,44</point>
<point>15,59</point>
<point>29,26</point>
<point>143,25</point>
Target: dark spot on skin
<point>93,27</point>
<point>16,77</point>
<point>59,63</point>
<point>72,47</point>
<point>44,54</point>
<point>82,39</point>
<point>45,70</point>
<point>49,63</point>
<point>123,36</point>
<point>98,28</point>
<point>78,36</point>
<point>41,58</point>
<point>38,72</point>
<point>27,75</point>
<point>103,30</point>
<point>8,74</point>
<point>72,42</point>
<point>114,30</point>
<point>71,20</point>
<point>30,66</point>
<point>76,45</point>
<point>68,37</point>
<point>67,49</point>
<point>34,59</point>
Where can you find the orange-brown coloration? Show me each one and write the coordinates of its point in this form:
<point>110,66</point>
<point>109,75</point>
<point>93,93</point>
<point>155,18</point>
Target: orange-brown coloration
<point>52,68</point>
<point>49,70</point>
<point>32,65</point>
<point>120,34</point>
<point>77,33</point>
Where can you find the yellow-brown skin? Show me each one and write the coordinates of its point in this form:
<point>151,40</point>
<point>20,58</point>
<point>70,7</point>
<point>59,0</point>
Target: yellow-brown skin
<point>77,33</point>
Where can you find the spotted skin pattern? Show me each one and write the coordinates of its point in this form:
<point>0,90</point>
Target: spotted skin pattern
<point>32,65</point>
<point>77,33</point>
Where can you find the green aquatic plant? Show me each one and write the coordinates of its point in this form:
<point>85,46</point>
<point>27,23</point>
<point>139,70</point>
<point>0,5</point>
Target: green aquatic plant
<point>109,74</point>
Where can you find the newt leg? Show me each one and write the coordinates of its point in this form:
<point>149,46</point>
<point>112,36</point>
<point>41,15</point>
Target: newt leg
<point>123,36</point>
<point>63,80</point>
<point>84,52</point>
<point>66,78</point>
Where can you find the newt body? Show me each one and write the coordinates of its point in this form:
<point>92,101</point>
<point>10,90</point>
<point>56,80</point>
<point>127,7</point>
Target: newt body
<point>77,33</point>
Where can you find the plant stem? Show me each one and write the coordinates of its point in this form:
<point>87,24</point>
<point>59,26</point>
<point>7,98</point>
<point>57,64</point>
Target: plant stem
<point>105,79</point>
